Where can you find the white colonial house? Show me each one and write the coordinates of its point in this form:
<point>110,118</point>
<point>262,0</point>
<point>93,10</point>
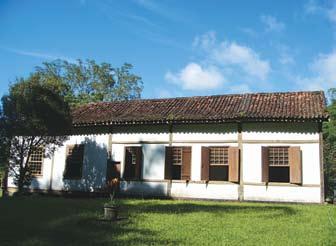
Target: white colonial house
<point>248,147</point>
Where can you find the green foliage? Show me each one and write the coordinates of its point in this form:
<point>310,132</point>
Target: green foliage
<point>32,109</point>
<point>58,221</point>
<point>33,116</point>
<point>329,135</point>
<point>85,82</point>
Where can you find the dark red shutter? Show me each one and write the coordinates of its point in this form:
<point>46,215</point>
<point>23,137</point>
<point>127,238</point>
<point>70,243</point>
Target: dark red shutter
<point>265,164</point>
<point>205,164</point>
<point>168,163</point>
<point>186,163</point>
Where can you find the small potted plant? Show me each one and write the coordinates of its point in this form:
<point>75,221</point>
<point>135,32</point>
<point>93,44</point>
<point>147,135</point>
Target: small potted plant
<point>111,208</point>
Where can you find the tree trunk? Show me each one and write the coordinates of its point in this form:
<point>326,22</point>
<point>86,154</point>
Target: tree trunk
<point>20,182</point>
<point>5,183</point>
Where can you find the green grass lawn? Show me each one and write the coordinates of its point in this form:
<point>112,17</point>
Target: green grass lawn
<point>39,220</point>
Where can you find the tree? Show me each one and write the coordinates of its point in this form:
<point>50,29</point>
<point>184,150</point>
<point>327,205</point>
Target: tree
<point>329,136</point>
<point>33,116</point>
<point>4,153</point>
<point>85,82</point>
<point>36,111</point>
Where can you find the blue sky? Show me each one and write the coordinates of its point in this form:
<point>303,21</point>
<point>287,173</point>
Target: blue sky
<point>179,48</point>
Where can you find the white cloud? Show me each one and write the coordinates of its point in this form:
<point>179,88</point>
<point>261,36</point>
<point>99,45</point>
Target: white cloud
<point>325,66</point>
<point>163,93</point>
<point>241,88</point>
<point>249,31</point>
<point>332,13</point>
<point>324,73</point>
<point>158,8</point>
<point>231,53</point>
<point>328,10</point>
<point>205,41</point>
<point>195,77</point>
<point>285,55</point>
<point>272,24</point>
<point>39,54</point>
<point>222,62</point>
<point>311,7</point>
<point>286,59</point>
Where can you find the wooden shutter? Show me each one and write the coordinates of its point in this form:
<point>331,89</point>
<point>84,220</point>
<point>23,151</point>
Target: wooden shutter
<point>265,164</point>
<point>127,163</point>
<point>168,163</point>
<point>138,163</point>
<point>295,165</point>
<point>186,163</point>
<point>74,161</point>
<point>233,154</point>
<point>205,164</point>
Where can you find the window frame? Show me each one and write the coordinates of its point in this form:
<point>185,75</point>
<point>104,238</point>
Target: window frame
<point>226,155</point>
<point>224,165</point>
<point>174,165</point>
<point>272,166</point>
<point>42,161</point>
<point>133,163</point>
<point>68,147</point>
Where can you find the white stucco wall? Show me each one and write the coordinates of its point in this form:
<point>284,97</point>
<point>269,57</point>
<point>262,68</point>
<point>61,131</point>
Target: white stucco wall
<point>154,139</point>
<point>94,166</point>
<point>282,193</point>
<point>148,188</point>
<point>213,190</point>
<point>310,162</point>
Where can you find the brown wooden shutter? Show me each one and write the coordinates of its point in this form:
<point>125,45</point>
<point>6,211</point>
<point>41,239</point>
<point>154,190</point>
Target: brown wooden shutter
<point>205,164</point>
<point>233,164</point>
<point>138,163</point>
<point>168,163</point>
<point>295,165</point>
<point>186,163</point>
<point>128,163</point>
<point>265,164</point>
<point>74,161</point>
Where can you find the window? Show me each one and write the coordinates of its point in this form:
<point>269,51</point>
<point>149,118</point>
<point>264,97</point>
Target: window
<point>133,162</point>
<point>178,163</point>
<point>36,161</point>
<point>218,163</point>
<point>177,159</point>
<point>278,162</point>
<point>74,161</point>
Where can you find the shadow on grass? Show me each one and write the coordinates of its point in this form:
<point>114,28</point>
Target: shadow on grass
<point>39,220</point>
<point>56,221</point>
<point>225,208</point>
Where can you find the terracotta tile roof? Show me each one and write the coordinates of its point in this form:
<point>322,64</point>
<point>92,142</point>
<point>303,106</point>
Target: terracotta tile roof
<point>296,106</point>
